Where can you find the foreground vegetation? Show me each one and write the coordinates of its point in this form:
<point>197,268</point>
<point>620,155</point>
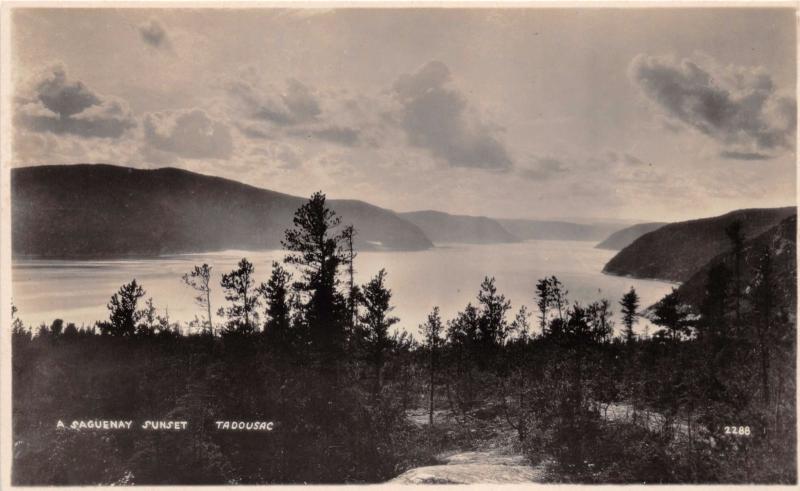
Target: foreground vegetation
<point>709,398</point>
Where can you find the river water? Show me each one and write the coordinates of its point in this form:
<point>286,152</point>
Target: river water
<point>447,275</point>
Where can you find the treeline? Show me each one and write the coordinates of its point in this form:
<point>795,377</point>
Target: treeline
<point>317,354</point>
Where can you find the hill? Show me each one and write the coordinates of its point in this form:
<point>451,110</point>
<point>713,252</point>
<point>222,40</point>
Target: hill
<point>623,238</point>
<point>443,227</point>
<point>72,211</point>
<point>781,243</point>
<point>676,251</point>
<point>557,230</point>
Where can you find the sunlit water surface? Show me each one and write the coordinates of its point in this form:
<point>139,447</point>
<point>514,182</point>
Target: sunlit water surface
<point>447,276</point>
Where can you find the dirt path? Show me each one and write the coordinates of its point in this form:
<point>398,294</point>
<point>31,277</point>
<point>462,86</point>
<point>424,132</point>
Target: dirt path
<point>492,467</point>
<point>496,462</point>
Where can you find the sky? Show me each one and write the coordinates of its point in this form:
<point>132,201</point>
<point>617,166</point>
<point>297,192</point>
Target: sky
<point>630,114</point>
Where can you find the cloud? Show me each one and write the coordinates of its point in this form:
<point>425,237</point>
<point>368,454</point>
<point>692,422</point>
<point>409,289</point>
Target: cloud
<point>744,155</point>
<point>154,35</point>
<point>632,159</point>
<point>739,108</point>
<point>265,112</point>
<point>611,159</point>
<point>276,156</point>
<point>347,137</point>
<point>296,104</point>
<point>191,134</point>
<point>437,117</point>
<point>55,104</point>
<point>543,169</point>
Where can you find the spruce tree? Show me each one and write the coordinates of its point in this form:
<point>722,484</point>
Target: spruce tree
<point>238,287</point>
<point>277,297</point>
<point>315,249</point>
<point>376,323</point>
<point>630,305</point>
<point>432,339</point>
<point>123,312</point>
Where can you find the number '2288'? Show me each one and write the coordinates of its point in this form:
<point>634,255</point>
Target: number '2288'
<point>737,430</point>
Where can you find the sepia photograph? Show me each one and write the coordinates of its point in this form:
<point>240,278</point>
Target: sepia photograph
<point>400,244</point>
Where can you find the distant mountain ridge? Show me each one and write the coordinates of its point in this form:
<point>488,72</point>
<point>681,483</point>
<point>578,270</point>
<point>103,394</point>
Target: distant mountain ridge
<point>99,210</point>
<point>527,229</point>
<point>676,251</point>
<point>443,227</point>
<point>625,237</point>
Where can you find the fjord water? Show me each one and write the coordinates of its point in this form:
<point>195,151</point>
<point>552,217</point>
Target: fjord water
<point>448,276</point>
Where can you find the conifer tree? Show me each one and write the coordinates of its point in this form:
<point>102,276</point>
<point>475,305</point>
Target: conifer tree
<point>599,315</point>
<point>492,326</point>
<point>353,293</point>
<point>149,319</point>
<point>630,305</point>
<point>315,249</point>
<point>277,297</point>
<point>521,325</point>
<point>238,287</point>
<point>199,279</point>
<point>671,314</point>
<point>123,311</point>
<point>432,339</point>
<point>376,322</point>
<point>543,302</point>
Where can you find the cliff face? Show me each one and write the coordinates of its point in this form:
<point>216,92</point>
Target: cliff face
<point>676,251</point>
<point>71,211</point>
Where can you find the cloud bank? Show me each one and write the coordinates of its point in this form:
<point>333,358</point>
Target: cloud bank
<point>737,107</point>
<point>436,116</point>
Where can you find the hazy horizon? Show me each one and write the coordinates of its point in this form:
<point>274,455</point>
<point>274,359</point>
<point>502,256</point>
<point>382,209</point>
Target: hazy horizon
<point>631,115</point>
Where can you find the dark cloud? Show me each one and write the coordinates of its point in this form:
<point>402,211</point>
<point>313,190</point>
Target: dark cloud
<point>58,105</point>
<point>740,108</point>
<point>154,34</point>
<point>190,134</point>
<point>437,117</point>
<point>297,104</point>
<point>744,155</point>
<point>543,169</point>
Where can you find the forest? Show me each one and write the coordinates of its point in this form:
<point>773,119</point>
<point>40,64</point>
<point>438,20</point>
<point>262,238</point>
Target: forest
<point>709,397</point>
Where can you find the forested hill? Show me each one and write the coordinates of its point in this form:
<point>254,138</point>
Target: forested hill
<point>676,251</point>
<point>84,210</point>
<point>556,230</point>
<point>625,237</point>
<point>780,242</point>
<point>444,227</point>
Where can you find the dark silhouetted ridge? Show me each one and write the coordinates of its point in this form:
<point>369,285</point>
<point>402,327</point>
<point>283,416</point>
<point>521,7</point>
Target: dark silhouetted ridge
<point>676,251</point>
<point>98,210</point>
